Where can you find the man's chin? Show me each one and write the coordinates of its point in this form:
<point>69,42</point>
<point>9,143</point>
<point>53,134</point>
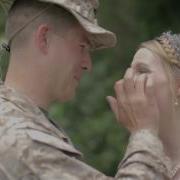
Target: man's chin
<point>68,97</point>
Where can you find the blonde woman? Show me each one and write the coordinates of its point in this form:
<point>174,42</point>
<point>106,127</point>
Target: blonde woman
<point>157,62</point>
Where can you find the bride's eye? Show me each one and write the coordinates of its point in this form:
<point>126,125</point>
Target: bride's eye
<point>141,68</point>
<point>142,71</point>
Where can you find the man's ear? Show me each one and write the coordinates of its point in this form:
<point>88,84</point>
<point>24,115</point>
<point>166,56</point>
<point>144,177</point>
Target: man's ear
<point>41,38</point>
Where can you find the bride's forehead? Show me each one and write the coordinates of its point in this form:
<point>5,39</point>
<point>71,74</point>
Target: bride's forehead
<point>143,52</point>
<point>144,55</point>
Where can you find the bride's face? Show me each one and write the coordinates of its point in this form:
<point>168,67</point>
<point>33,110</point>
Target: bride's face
<point>147,62</point>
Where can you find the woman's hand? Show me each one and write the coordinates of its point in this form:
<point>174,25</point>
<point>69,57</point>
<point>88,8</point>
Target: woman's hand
<point>135,104</point>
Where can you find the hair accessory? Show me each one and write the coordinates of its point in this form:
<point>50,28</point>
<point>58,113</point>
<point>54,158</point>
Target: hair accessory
<point>171,45</point>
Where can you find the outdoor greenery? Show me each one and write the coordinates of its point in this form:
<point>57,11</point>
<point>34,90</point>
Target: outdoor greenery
<point>88,119</point>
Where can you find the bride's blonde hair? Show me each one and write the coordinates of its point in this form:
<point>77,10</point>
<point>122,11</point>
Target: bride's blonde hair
<point>167,47</point>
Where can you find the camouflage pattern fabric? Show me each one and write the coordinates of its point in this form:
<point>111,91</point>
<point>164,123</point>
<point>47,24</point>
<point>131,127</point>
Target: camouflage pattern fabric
<point>32,148</point>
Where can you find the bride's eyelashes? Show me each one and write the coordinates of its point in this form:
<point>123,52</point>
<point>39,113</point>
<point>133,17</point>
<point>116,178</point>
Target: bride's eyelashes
<point>142,68</point>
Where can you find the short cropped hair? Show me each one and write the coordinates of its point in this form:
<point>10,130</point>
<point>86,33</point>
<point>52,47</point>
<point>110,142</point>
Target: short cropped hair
<point>22,11</point>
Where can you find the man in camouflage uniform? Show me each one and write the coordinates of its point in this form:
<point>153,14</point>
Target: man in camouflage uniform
<point>49,48</point>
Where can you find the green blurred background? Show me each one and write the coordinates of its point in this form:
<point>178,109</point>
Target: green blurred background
<point>88,119</point>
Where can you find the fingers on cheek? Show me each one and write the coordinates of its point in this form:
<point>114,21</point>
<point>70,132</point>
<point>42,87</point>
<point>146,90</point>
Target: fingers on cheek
<point>138,98</point>
<point>129,81</point>
<point>150,88</point>
<point>120,94</point>
<point>140,84</point>
<point>119,90</point>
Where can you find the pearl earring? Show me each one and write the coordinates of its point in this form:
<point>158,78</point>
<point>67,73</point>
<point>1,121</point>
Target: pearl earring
<point>176,103</point>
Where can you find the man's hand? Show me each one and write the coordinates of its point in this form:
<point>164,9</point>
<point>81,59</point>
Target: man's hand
<point>135,104</point>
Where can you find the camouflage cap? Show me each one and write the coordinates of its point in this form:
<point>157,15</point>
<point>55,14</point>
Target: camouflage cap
<point>85,12</point>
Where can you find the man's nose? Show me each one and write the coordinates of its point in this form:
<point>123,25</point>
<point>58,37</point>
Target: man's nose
<point>87,63</point>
